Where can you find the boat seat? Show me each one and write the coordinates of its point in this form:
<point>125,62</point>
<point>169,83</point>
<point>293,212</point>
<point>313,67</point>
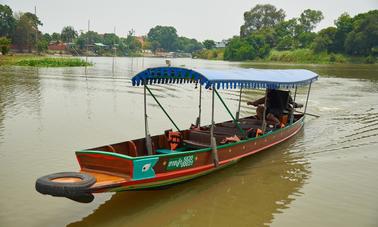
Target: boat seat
<point>227,131</point>
<point>201,139</point>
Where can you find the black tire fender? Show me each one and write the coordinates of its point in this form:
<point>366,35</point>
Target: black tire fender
<point>46,185</point>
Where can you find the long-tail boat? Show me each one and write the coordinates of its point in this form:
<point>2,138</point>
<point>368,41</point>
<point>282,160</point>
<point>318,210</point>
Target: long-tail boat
<point>181,155</point>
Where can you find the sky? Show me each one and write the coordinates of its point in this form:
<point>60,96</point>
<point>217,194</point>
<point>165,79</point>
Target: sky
<point>200,19</point>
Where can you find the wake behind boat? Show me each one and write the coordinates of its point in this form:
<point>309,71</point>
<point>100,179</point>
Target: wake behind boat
<point>181,155</point>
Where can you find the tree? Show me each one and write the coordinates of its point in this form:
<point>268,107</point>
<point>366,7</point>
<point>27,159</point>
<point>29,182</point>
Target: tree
<point>209,44</point>
<point>7,21</point>
<point>4,45</point>
<point>239,49</point>
<point>188,45</point>
<point>26,31</point>
<point>325,40</point>
<point>92,37</point>
<point>110,39</point>
<point>344,25</point>
<point>309,19</point>
<point>164,37</point>
<point>55,37</point>
<point>81,42</point>
<point>304,39</point>
<point>259,44</point>
<point>285,33</point>
<point>68,34</point>
<point>47,37</point>
<point>261,16</point>
<point>42,46</point>
<point>133,45</point>
<point>363,39</point>
<point>286,28</point>
<point>285,43</point>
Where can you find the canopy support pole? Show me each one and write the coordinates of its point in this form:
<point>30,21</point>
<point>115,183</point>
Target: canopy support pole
<point>238,112</point>
<point>147,134</point>
<point>263,126</point>
<point>169,117</point>
<point>213,142</point>
<point>293,109</point>
<point>295,93</point>
<point>308,95</point>
<point>229,112</point>
<point>198,121</point>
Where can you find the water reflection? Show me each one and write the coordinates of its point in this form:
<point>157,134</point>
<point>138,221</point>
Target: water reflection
<point>20,91</point>
<point>247,194</point>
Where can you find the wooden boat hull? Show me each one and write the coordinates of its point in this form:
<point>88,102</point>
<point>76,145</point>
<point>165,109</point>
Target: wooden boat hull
<point>118,172</point>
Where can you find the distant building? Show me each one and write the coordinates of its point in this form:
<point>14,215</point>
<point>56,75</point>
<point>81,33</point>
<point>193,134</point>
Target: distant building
<point>57,46</point>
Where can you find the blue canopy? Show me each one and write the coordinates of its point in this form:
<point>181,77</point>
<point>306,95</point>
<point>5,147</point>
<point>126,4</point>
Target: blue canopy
<point>228,78</point>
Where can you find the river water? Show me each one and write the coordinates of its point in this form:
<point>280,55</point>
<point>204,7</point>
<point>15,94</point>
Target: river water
<point>327,175</point>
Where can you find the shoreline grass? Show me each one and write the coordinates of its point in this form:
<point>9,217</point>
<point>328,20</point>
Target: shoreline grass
<point>42,61</point>
<point>298,56</point>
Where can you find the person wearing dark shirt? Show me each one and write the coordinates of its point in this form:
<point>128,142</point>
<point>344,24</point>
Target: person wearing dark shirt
<point>278,103</point>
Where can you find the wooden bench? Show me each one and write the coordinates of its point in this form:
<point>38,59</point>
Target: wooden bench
<point>201,139</point>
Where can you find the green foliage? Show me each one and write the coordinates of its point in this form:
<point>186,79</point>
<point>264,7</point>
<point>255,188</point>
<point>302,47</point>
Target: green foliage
<point>239,49</point>
<point>47,37</point>
<point>247,48</point>
<point>4,45</point>
<point>110,39</point>
<point>26,31</point>
<point>7,21</point>
<point>163,37</point>
<point>304,39</point>
<point>286,43</point>
<point>259,44</point>
<point>326,40</point>
<point>55,36</point>
<point>187,45</point>
<point>309,19</point>
<point>305,56</point>
<point>52,62</point>
<point>364,37</point>
<point>212,54</point>
<point>209,44</point>
<point>285,33</point>
<point>261,16</point>
<point>42,46</point>
<point>131,44</point>
<point>370,59</point>
<point>344,25</point>
<point>92,37</point>
<point>68,34</point>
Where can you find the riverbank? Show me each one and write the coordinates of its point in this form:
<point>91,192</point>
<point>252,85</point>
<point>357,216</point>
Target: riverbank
<point>41,61</point>
<point>298,56</point>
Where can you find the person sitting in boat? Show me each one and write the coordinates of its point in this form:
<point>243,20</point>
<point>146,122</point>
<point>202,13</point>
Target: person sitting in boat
<point>278,103</point>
